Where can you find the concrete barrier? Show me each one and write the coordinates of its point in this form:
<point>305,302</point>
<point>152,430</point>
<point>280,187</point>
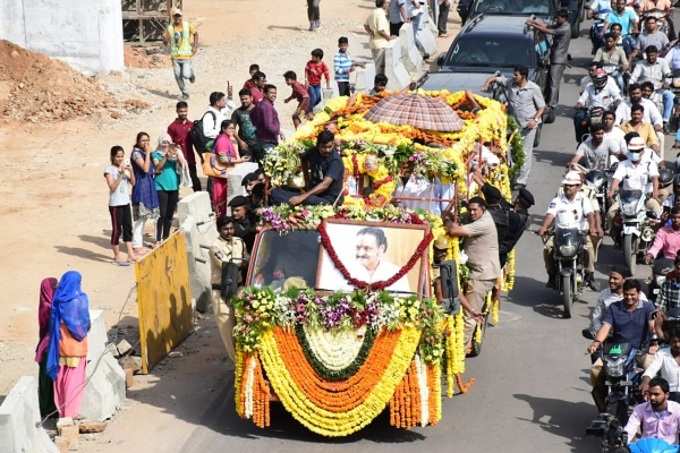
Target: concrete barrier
<point>197,221</point>
<point>410,56</point>
<point>397,75</point>
<point>87,35</point>
<point>365,78</point>
<point>20,431</point>
<point>105,391</point>
<point>427,35</point>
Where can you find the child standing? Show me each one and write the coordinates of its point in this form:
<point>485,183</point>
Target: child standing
<point>300,93</point>
<point>342,64</point>
<point>316,70</point>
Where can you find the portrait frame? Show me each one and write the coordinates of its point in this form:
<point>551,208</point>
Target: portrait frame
<point>419,270</point>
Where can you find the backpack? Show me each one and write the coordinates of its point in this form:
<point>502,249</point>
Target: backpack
<point>198,138</point>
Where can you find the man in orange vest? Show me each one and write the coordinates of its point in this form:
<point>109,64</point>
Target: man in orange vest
<point>182,38</point>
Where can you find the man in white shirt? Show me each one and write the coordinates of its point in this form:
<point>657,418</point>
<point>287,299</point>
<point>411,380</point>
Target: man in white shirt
<point>614,135</point>
<point>570,210</point>
<point>636,173</point>
<point>601,92</point>
<point>666,365</point>
<point>378,28</point>
<point>658,72</point>
<point>220,109</point>
<point>651,114</point>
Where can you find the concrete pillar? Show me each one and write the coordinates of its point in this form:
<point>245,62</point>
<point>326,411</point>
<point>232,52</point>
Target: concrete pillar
<point>197,221</point>
<point>410,55</point>
<point>20,431</point>
<point>398,76</point>
<point>427,35</point>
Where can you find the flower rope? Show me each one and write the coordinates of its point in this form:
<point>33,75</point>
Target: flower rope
<point>326,242</point>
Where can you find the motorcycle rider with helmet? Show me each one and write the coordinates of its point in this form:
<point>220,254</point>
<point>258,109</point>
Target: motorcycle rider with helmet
<point>602,92</point>
<point>571,209</point>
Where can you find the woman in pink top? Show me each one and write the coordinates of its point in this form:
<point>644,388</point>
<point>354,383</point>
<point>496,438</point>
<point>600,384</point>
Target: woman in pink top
<point>225,156</point>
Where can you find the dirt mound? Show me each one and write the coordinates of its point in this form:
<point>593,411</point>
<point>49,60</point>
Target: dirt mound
<point>34,87</point>
<point>145,57</point>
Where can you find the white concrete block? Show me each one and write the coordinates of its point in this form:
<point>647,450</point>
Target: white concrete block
<point>397,75</point>
<point>105,391</point>
<point>427,36</point>
<point>197,221</point>
<point>365,78</point>
<point>87,35</point>
<point>410,55</point>
<point>19,420</point>
<point>97,337</point>
<point>236,174</point>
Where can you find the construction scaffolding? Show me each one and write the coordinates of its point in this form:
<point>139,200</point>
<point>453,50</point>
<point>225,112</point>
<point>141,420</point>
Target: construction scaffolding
<point>144,21</point>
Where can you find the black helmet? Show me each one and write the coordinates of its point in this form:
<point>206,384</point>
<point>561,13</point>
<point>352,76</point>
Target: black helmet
<point>596,179</point>
<point>666,176</point>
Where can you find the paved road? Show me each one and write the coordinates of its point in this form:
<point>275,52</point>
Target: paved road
<point>532,392</point>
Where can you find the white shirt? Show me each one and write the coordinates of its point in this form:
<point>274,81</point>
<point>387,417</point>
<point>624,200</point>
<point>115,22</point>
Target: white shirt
<point>571,213</point>
<point>120,196</point>
<point>603,98</point>
<point>656,73</point>
<point>616,140</point>
<point>211,128</point>
<point>651,114</point>
<point>384,271</point>
<point>637,177</point>
<point>666,364</point>
<point>429,192</point>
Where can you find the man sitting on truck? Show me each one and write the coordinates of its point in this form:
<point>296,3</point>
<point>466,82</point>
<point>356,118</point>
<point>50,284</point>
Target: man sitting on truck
<point>324,173</point>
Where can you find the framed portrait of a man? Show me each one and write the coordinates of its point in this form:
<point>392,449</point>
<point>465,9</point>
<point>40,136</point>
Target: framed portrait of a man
<point>371,253</point>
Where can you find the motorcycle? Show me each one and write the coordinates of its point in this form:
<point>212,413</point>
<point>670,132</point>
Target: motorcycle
<point>587,118</point>
<point>660,268</point>
<point>633,227</point>
<point>598,180</point>
<point>568,257</point>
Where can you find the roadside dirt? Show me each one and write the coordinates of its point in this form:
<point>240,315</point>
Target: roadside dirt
<point>54,197</point>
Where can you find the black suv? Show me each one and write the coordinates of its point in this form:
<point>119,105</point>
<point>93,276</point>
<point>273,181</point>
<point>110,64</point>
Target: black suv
<point>488,44</point>
<point>543,9</point>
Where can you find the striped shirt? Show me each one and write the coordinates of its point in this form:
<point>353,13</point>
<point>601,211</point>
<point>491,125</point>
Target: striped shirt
<point>342,64</point>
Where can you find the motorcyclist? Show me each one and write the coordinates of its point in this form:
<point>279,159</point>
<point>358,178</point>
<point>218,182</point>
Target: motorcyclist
<point>666,365</point>
<point>667,240</point>
<point>668,299</point>
<point>650,36</point>
<point>647,7</point>
<point>658,418</point>
<point>613,58</point>
<point>651,113</point>
<point>601,92</point>
<point>659,73</point>
<point>598,11</point>
<point>594,151</point>
<point>670,201</point>
<point>571,209</point>
<point>630,321</point>
<point>614,135</point>
<point>628,19</point>
<point>637,172</point>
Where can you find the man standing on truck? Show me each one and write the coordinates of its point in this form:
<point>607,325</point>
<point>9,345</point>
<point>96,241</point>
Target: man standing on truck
<point>527,105</point>
<point>183,40</point>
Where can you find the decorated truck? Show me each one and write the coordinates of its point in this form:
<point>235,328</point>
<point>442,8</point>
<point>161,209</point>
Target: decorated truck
<point>347,310</point>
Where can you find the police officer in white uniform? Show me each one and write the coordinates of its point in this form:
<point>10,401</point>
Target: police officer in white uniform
<point>571,209</point>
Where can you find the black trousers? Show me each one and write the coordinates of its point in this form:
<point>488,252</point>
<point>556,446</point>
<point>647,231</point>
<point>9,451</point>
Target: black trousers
<point>195,182</point>
<point>343,89</point>
<point>443,19</point>
<point>394,28</point>
<point>168,203</point>
<point>121,223</point>
<point>313,12</point>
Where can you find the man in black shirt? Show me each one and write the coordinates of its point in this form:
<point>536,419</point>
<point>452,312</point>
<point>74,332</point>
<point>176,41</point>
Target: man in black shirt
<point>324,173</point>
<point>245,225</point>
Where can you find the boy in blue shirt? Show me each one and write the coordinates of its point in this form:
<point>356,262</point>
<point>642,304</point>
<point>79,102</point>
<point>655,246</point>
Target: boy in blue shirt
<point>342,64</point>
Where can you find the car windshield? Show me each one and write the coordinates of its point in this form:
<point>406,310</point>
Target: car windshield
<point>285,261</point>
<point>514,7</point>
<point>497,52</point>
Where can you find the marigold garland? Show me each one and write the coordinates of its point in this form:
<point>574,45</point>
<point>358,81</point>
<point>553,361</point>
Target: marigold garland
<point>322,421</point>
<point>382,183</point>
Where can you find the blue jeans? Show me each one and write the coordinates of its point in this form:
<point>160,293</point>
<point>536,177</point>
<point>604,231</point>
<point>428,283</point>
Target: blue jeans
<point>628,44</point>
<point>668,98</point>
<point>314,95</point>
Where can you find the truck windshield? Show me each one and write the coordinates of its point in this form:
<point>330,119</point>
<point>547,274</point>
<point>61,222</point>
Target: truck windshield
<point>497,52</point>
<point>282,261</point>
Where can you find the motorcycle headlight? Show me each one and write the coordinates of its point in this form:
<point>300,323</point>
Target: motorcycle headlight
<point>647,234</point>
<point>567,250</point>
<point>660,279</point>
<point>629,208</point>
<point>614,366</point>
